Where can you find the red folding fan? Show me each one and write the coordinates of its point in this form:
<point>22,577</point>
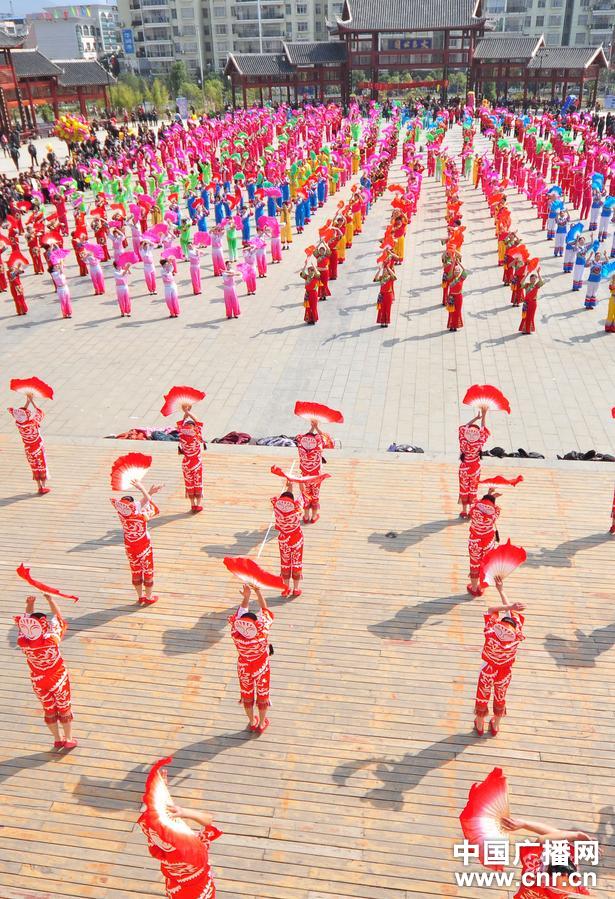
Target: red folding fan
<point>298,479</point>
<point>502,561</point>
<point>487,805</point>
<point>129,468</point>
<point>318,412</point>
<point>171,833</point>
<point>484,396</point>
<point>32,385</point>
<point>177,396</point>
<point>499,481</point>
<point>250,573</point>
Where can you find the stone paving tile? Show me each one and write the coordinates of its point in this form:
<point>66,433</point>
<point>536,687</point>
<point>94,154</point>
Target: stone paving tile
<point>403,384</point>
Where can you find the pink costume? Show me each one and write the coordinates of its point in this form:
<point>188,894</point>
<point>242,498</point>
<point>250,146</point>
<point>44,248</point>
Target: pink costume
<point>63,293</point>
<point>216,253</point>
<point>149,269</point>
<point>250,270</point>
<point>170,292</point>
<point>117,241</point>
<point>230,295</point>
<point>96,274</point>
<point>135,232</point>
<point>276,242</point>
<point>194,258</point>
<point>121,290</point>
<point>261,261</point>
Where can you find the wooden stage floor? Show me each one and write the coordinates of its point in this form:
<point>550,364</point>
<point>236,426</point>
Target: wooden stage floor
<point>355,789</point>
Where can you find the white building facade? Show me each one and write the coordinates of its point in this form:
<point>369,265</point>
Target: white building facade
<point>574,23</point>
<point>203,32</point>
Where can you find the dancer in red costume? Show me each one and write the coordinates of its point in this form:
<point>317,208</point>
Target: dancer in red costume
<point>40,638</point>
<point>535,859</point>
<point>386,277</point>
<point>16,287</point>
<point>310,447</point>
<point>29,424</point>
<point>182,853</point>
<point>311,276</point>
<point>483,536</point>
<point>134,516</point>
<point>472,438</point>
<point>287,512</point>
<point>322,262</point>
<point>531,286</point>
<point>190,445</point>
<point>455,298</point>
<point>503,635</point>
<point>250,633</point>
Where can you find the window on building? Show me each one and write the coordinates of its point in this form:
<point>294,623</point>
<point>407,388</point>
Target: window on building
<point>527,21</point>
<point>222,46</point>
<point>221,29</point>
<point>579,39</point>
<point>219,12</point>
<point>554,20</point>
<point>540,21</point>
<point>301,9</point>
<point>552,38</point>
<point>302,26</point>
<point>541,4</point>
<point>187,12</point>
<point>557,4</point>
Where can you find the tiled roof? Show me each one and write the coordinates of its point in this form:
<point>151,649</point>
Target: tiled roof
<point>10,41</point>
<point>82,71</point>
<point>317,53</point>
<point>568,58</point>
<point>32,64</point>
<point>258,64</point>
<point>407,15</point>
<point>508,46</point>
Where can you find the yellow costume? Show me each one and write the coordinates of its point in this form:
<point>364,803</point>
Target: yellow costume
<point>285,222</point>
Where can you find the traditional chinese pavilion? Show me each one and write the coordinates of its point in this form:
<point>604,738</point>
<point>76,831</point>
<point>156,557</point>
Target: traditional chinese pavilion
<point>373,37</point>
<point>28,79</point>
<point>513,60</point>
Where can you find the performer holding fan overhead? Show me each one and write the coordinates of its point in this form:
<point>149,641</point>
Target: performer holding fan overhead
<point>28,419</point>
<point>134,515</point>
<point>472,438</point>
<point>190,432</point>
<point>503,635</point>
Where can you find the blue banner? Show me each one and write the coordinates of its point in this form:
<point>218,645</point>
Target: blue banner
<point>411,43</point>
<point>128,41</point>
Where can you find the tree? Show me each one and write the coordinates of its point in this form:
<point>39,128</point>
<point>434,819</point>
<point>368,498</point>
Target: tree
<point>159,94</point>
<point>177,76</point>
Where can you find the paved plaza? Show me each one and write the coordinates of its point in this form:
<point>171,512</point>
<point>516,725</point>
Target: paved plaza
<point>354,791</point>
<point>402,384</point>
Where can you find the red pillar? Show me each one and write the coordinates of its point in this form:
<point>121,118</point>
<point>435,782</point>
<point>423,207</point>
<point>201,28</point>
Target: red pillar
<point>374,64</point>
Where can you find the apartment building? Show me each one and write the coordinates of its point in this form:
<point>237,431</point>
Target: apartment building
<point>576,23</point>
<point>203,32</point>
<point>74,32</point>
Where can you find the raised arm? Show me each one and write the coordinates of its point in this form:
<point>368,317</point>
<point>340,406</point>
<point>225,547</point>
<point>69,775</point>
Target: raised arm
<point>55,609</point>
<point>245,591</point>
<point>544,831</point>
<point>260,598</point>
